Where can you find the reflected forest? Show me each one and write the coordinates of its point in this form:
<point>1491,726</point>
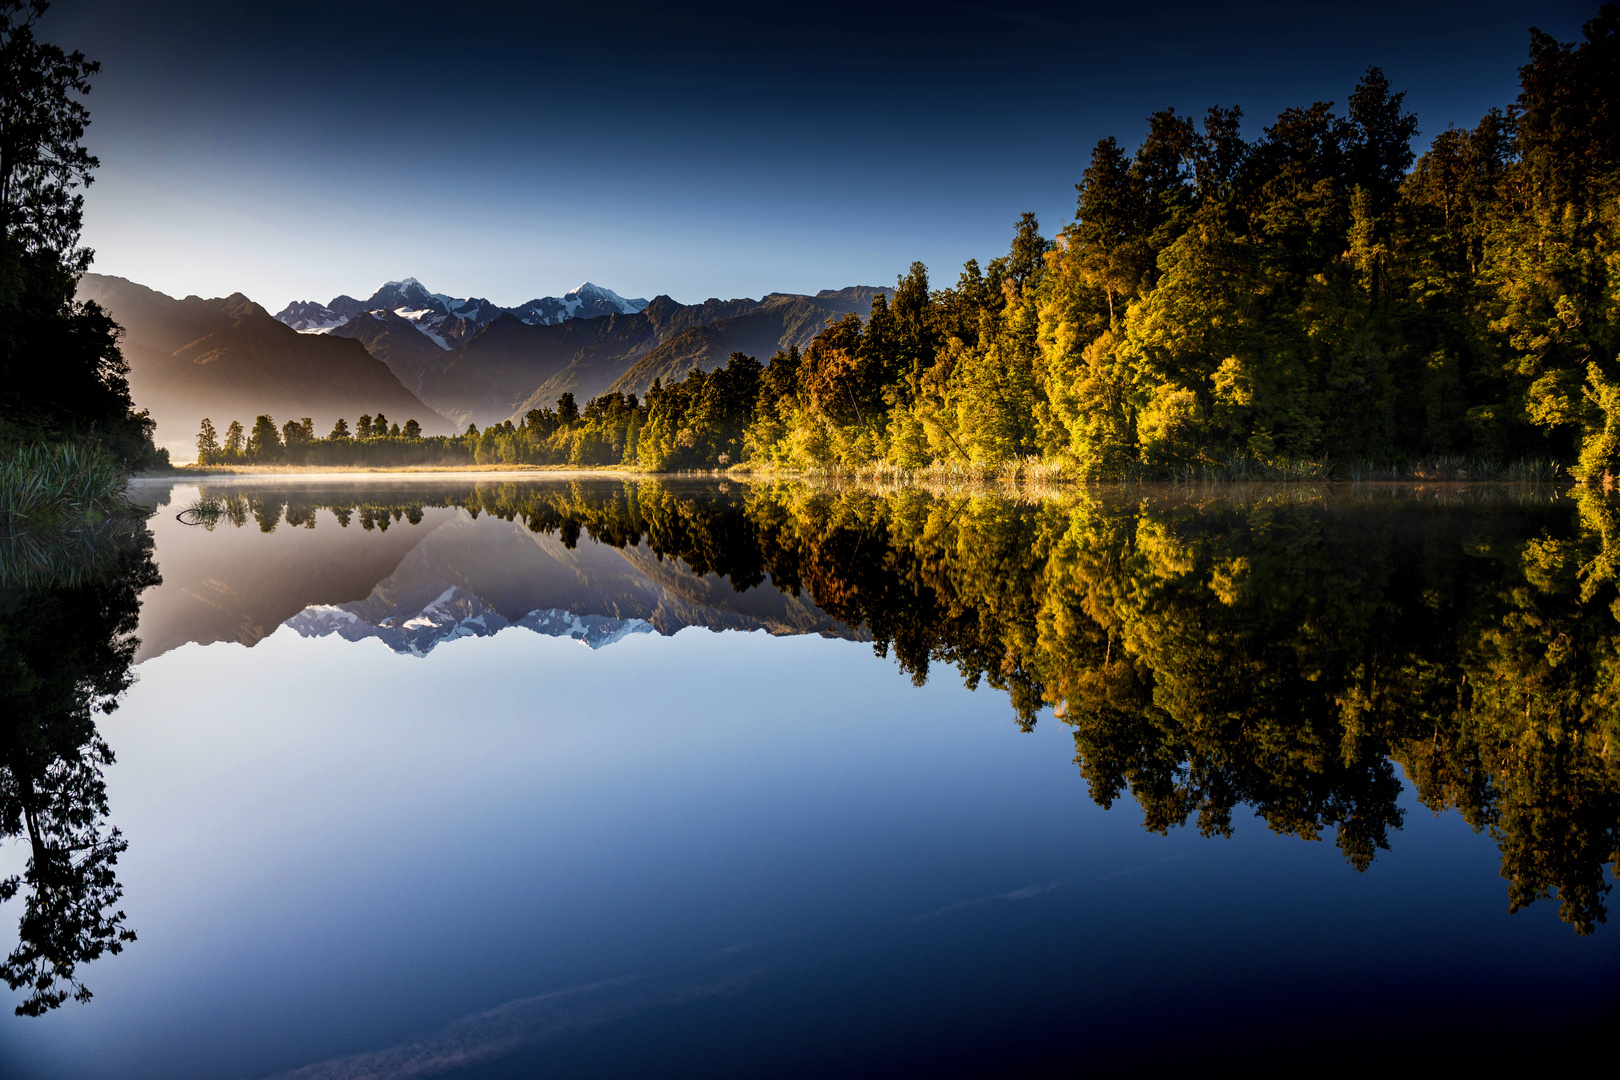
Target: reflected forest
<point>1290,648</point>
<point>69,601</point>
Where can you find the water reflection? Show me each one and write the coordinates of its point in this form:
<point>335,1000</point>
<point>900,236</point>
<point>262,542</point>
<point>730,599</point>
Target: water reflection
<point>1284,650</point>
<point>68,606</point>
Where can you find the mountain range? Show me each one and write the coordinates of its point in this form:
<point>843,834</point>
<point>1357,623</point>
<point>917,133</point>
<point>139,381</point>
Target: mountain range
<point>229,359</point>
<point>436,314</point>
<point>445,361</point>
<point>509,367</point>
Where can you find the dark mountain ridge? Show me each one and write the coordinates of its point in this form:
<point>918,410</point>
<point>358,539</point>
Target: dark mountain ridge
<point>780,320</point>
<point>229,359</point>
<point>395,341</point>
<point>509,367</point>
<point>447,319</point>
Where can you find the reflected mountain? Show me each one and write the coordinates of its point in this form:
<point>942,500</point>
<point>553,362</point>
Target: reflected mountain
<point>455,614</point>
<point>413,567</point>
<point>1291,650</point>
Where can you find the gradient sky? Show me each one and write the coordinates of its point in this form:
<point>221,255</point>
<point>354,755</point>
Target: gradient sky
<point>299,150</point>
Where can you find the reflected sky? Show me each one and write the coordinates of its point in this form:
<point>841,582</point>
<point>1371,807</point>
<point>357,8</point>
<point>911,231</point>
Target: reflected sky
<point>716,853</point>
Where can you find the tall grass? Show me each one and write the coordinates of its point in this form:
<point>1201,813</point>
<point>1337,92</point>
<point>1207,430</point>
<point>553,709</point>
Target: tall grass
<point>63,515</point>
<point>59,482</point>
<point>1240,468</point>
<point>1460,467</point>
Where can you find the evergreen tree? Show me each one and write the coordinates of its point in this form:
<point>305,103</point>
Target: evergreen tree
<point>1026,261</point>
<point>264,442</point>
<point>207,443</point>
<point>1109,221</point>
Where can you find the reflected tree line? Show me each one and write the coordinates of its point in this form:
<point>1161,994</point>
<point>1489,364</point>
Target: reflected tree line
<point>68,609</point>
<point>1287,650</point>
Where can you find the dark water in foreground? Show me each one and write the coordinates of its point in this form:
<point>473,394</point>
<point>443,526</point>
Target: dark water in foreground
<point>429,778</point>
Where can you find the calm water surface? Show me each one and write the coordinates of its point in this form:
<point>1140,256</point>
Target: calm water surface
<point>428,778</point>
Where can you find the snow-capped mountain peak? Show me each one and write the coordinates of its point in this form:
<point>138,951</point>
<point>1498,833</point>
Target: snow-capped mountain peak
<point>457,614</point>
<point>446,319</point>
<point>308,317</point>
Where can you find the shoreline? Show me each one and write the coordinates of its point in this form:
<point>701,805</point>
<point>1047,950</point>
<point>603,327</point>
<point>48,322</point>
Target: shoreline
<point>745,475</point>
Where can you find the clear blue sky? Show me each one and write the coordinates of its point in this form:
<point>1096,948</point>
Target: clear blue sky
<point>298,150</point>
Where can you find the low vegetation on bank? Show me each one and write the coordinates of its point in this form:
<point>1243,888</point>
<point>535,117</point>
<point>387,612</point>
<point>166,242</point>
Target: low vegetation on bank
<point>60,482</point>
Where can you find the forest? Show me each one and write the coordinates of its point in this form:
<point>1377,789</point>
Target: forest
<point>1296,304</point>
<point>1275,647</point>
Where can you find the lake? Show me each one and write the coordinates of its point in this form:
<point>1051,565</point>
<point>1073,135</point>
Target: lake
<point>426,776</point>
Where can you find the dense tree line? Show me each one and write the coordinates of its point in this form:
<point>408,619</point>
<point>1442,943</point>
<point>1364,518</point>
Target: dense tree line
<point>604,434</point>
<point>1281,650</point>
<point>1312,293</point>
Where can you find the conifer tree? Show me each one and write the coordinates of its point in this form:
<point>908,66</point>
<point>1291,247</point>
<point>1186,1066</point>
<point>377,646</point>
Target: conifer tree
<point>264,441</point>
<point>207,443</point>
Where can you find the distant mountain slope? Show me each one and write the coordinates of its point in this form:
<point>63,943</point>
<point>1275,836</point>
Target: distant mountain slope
<point>509,367</point>
<point>588,301</point>
<point>446,320</point>
<point>395,341</point>
<point>780,320</point>
<point>228,359</point>
<point>486,377</point>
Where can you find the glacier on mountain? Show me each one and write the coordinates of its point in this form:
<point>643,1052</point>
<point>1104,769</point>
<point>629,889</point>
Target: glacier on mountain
<point>447,319</point>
